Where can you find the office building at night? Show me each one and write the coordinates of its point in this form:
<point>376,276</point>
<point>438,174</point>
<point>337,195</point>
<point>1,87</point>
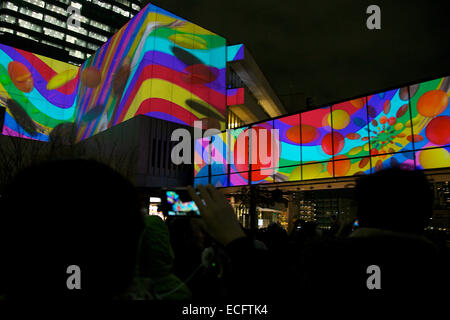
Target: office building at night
<point>44,27</point>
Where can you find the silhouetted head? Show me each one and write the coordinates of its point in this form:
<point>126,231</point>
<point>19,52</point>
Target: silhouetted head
<point>276,230</point>
<point>63,213</point>
<point>395,199</point>
<point>187,233</point>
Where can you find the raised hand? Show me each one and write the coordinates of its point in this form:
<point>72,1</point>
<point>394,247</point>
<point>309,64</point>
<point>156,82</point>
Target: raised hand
<point>218,214</point>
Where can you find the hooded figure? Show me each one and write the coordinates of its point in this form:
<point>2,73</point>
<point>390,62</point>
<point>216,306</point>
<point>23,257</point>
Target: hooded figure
<point>156,262</point>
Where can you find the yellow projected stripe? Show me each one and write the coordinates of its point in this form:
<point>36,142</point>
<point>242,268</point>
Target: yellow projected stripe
<point>159,89</point>
<point>56,65</point>
<point>3,92</point>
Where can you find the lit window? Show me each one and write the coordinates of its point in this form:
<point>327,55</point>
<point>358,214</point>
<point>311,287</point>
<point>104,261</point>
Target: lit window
<point>92,46</point>
<point>36,2</point>
<point>80,30</point>
<point>76,5</point>
<point>51,44</point>
<point>124,2</point>
<point>71,39</point>
<point>53,33</point>
<point>11,6</point>
<point>56,9</point>
<point>102,4</point>
<point>7,18</point>
<point>135,7</point>
<point>6,30</point>
<point>97,36</point>
<point>76,54</point>
<point>100,25</point>
<point>31,13</point>
<point>54,21</point>
<point>121,11</point>
<point>37,15</point>
<point>29,25</point>
<point>24,35</point>
<point>80,18</point>
<point>80,43</point>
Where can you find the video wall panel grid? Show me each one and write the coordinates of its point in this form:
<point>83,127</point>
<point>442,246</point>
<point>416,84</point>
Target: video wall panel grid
<point>406,128</point>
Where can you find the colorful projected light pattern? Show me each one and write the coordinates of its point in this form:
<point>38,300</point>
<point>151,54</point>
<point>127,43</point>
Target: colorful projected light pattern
<point>178,207</point>
<point>219,154</point>
<point>430,113</point>
<point>407,128</point>
<point>201,157</point>
<point>158,65</point>
<point>39,94</point>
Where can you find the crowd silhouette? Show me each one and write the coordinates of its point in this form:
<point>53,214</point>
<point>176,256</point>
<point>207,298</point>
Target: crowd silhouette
<point>83,213</point>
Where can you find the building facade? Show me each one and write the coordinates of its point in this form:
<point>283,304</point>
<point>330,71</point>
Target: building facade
<point>119,89</point>
<point>157,65</point>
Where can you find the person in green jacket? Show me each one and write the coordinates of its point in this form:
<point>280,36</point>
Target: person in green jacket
<point>155,266</point>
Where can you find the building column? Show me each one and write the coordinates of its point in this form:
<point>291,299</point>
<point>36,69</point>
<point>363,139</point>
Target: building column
<point>293,210</point>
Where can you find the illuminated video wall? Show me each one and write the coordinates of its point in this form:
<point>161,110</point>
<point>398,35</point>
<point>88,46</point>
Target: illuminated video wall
<point>158,65</point>
<point>39,93</point>
<point>408,128</point>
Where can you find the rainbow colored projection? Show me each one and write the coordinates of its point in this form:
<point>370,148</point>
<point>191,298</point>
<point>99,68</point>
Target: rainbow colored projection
<point>430,113</point>
<point>201,157</point>
<point>407,128</point>
<point>158,65</point>
<point>39,94</point>
<point>219,154</point>
<point>235,97</point>
<point>235,53</point>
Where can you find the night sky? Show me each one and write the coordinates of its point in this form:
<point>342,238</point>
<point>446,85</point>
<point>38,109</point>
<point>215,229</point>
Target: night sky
<point>323,49</point>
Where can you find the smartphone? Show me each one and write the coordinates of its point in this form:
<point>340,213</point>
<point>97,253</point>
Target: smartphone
<point>178,202</point>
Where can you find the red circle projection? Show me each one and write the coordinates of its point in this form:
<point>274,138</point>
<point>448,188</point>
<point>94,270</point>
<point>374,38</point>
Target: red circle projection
<point>341,167</point>
<point>91,77</point>
<point>308,133</point>
<point>432,103</point>
<point>333,143</point>
<point>199,74</point>
<point>438,130</point>
<point>293,134</point>
<point>241,162</point>
<point>302,134</point>
<point>20,76</point>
